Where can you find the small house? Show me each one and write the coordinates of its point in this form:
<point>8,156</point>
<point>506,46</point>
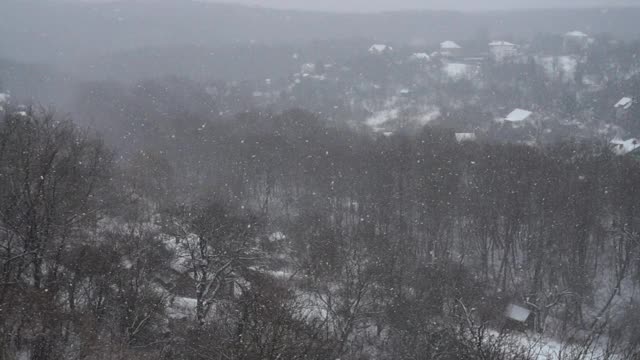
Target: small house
<point>449,48</point>
<point>378,49</point>
<point>308,68</point>
<point>622,107</point>
<point>575,41</point>
<point>464,137</point>
<point>518,318</point>
<point>420,57</point>
<point>501,51</point>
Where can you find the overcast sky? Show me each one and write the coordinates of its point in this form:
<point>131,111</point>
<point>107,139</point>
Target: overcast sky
<point>383,5</point>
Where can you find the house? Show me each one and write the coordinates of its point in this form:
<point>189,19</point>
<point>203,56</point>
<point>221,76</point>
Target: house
<point>518,318</point>
<point>575,41</point>
<point>518,116</point>
<point>449,48</point>
<point>502,50</point>
<point>624,147</point>
<point>458,71</point>
<point>378,49</point>
<point>464,137</point>
<point>420,57</point>
<point>622,107</point>
<point>308,68</point>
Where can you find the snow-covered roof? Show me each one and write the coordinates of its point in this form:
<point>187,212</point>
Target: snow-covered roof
<point>449,45</point>
<point>624,103</point>
<point>621,147</point>
<point>517,313</point>
<point>518,115</point>
<point>421,56</point>
<point>576,33</point>
<point>460,137</point>
<point>501,43</point>
<point>379,48</point>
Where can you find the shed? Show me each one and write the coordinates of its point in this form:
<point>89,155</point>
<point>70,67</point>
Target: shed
<point>517,313</point>
<point>518,318</point>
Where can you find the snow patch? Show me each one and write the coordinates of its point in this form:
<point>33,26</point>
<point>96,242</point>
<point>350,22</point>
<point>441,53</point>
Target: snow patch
<point>381,117</point>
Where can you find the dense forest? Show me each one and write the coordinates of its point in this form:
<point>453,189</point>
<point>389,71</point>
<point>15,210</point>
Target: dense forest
<point>282,236</point>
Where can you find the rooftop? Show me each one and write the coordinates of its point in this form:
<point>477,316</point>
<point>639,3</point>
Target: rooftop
<point>449,45</point>
<point>624,103</point>
<point>576,33</point>
<point>517,313</point>
<point>501,43</point>
<point>518,115</point>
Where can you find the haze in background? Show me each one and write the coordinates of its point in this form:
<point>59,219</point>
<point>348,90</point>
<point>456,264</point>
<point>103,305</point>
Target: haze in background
<point>389,5</point>
<point>127,40</point>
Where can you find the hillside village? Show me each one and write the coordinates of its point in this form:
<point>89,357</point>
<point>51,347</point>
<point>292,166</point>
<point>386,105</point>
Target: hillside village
<point>574,85</point>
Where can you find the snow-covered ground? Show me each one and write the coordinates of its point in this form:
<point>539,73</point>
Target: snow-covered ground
<point>543,348</point>
<point>381,117</point>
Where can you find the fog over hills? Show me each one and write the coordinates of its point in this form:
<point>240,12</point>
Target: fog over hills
<point>57,32</point>
<point>369,6</point>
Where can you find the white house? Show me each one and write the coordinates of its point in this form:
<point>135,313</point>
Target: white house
<point>450,48</point>
<point>502,50</point>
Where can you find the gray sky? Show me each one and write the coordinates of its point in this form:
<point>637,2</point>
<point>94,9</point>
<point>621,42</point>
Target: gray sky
<point>383,5</point>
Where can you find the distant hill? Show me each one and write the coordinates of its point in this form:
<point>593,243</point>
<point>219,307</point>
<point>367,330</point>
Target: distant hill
<point>56,32</point>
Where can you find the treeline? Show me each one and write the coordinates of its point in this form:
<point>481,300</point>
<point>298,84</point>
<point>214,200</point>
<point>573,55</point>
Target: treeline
<point>408,246</point>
